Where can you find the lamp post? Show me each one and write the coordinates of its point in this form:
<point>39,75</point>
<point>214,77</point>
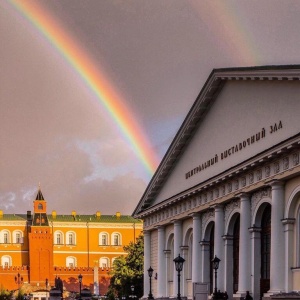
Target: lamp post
<point>18,280</point>
<point>132,291</point>
<point>178,266</point>
<point>150,273</point>
<point>46,282</point>
<point>80,281</point>
<point>215,264</point>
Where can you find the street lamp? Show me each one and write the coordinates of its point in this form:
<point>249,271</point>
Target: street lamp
<point>46,281</point>
<point>18,280</point>
<point>178,266</point>
<point>215,264</point>
<point>80,281</point>
<point>132,291</point>
<point>150,273</point>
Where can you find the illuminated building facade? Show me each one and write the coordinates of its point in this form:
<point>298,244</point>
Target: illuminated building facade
<point>39,246</point>
<point>229,186</point>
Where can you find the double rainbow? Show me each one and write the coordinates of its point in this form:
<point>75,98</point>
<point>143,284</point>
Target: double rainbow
<point>96,80</point>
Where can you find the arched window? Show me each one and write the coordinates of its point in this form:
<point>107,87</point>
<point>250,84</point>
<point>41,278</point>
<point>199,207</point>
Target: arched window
<point>40,206</point>
<point>71,238</point>
<point>17,237</point>
<point>116,239</point>
<point>6,261</point>
<point>103,239</point>
<point>104,262</point>
<point>71,262</point>
<point>58,238</point>
<point>5,237</point>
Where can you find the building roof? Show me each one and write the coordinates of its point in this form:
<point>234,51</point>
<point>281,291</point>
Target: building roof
<point>39,195</point>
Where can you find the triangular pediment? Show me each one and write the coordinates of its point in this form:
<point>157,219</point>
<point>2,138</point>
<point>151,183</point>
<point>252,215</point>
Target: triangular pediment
<point>239,113</point>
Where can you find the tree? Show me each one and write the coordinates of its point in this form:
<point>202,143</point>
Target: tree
<point>127,271</point>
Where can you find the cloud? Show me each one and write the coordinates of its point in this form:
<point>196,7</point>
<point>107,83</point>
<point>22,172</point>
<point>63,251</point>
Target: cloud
<point>7,200</point>
<point>107,160</point>
<point>28,194</point>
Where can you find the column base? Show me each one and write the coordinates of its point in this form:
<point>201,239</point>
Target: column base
<point>239,296</point>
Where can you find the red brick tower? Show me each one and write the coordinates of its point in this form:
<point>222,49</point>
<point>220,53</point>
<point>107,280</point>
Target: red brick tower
<point>40,244</point>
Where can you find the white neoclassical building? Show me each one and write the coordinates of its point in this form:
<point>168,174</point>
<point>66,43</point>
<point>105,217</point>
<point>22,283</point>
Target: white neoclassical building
<point>229,185</point>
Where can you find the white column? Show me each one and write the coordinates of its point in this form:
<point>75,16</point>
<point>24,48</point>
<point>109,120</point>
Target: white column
<point>219,245</point>
<point>289,241</point>
<point>255,261</point>
<point>277,238</point>
<point>147,262</point>
<point>245,245</point>
<point>162,265</point>
<point>228,265</point>
<point>196,251</point>
<point>205,270</point>
<point>177,245</point>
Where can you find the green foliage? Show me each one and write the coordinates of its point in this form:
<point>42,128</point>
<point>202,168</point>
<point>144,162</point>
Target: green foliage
<point>5,294</point>
<point>127,271</point>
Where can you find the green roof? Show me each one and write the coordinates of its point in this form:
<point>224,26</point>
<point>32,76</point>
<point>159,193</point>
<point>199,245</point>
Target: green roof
<point>94,218</point>
<point>13,217</point>
<point>77,218</point>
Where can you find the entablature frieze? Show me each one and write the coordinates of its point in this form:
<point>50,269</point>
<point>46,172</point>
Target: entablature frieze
<point>251,177</point>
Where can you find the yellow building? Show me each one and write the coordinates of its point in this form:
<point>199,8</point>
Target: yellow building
<point>35,247</point>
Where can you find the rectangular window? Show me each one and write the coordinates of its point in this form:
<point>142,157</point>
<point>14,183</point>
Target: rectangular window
<point>58,239</point>
<point>104,265</point>
<point>5,238</point>
<point>116,240</point>
<point>104,240</point>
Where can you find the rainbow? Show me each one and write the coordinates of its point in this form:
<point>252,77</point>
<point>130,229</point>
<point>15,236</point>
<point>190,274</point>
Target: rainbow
<point>95,80</point>
<point>225,21</point>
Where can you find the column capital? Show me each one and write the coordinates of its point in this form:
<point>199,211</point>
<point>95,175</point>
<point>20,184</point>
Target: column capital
<point>160,227</point>
<point>176,222</point>
<point>146,232</point>
<point>217,206</point>
<point>195,215</point>
<point>276,184</point>
<point>243,196</point>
